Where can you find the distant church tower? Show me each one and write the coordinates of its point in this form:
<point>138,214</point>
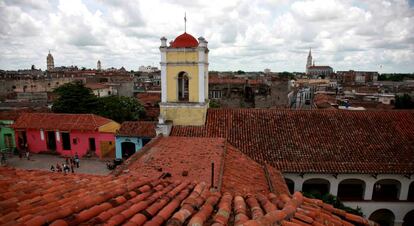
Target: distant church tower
<point>98,65</point>
<point>50,62</point>
<point>184,80</point>
<point>309,61</point>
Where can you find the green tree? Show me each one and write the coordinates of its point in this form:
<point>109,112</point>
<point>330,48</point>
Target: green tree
<point>240,72</point>
<point>404,102</point>
<point>214,104</point>
<point>286,74</point>
<point>120,108</point>
<point>74,98</point>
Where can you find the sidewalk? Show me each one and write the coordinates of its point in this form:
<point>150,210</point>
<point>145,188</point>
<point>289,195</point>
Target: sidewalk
<point>44,161</point>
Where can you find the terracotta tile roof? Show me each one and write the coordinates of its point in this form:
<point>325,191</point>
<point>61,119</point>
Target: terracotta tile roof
<point>184,158</point>
<point>95,86</point>
<point>320,67</point>
<point>40,198</point>
<point>181,158</point>
<point>241,172</point>
<point>137,128</point>
<point>9,115</point>
<point>148,98</point>
<point>239,81</point>
<point>316,141</point>
<point>62,122</point>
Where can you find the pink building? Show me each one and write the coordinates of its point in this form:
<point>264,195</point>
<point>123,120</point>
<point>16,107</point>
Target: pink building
<point>66,134</point>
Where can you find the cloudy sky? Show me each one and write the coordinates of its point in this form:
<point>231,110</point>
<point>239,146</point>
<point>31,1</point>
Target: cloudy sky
<point>249,34</point>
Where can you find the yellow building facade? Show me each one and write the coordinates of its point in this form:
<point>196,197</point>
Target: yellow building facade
<point>184,80</point>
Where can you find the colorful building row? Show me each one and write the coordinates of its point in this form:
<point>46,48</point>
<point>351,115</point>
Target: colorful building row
<point>70,134</point>
<point>66,134</point>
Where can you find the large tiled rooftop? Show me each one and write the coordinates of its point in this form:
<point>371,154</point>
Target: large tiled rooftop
<point>316,141</point>
<point>42,198</point>
<point>166,183</point>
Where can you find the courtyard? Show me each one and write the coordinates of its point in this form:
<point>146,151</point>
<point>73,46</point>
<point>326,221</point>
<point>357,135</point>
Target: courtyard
<point>44,162</point>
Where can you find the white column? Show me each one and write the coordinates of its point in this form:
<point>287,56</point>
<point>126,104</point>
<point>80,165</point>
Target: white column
<point>163,76</point>
<point>369,189</point>
<point>405,185</point>
<point>201,85</point>
<point>201,69</point>
<point>333,187</point>
<point>57,135</point>
<point>298,183</point>
<point>42,134</point>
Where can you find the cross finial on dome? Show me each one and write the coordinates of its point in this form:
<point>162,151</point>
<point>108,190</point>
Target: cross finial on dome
<point>185,22</point>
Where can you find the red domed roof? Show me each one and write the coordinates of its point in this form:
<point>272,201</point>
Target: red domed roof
<point>184,41</point>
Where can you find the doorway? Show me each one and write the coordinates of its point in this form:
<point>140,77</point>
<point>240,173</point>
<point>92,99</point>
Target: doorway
<point>128,149</point>
<point>8,140</point>
<point>51,141</point>
<point>92,145</point>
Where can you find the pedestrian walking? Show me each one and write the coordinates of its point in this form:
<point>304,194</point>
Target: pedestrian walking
<point>65,168</point>
<point>27,154</point>
<point>77,160</point>
<point>3,159</point>
<point>58,167</point>
<point>71,168</point>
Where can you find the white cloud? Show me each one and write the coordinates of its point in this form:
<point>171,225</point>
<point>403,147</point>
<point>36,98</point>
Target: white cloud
<point>247,35</point>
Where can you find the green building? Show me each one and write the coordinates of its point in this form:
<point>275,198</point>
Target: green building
<point>7,140</point>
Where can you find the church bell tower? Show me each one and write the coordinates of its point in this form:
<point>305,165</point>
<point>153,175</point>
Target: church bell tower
<point>309,61</point>
<point>184,80</point>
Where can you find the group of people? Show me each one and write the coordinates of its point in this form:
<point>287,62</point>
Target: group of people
<point>68,166</point>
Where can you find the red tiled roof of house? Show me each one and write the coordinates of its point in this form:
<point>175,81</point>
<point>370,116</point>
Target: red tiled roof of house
<point>321,67</point>
<point>38,198</point>
<point>316,141</point>
<point>190,158</point>
<point>61,122</point>
<point>9,115</point>
<point>95,86</point>
<point>138,129</point>
<point>149,98</point>
<point>239,81</point>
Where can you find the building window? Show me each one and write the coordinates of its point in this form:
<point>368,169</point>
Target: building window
<point>215,94</point>
<point>65,141</point>
<point>182,82</point>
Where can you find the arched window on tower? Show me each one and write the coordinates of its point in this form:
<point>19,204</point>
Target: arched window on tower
<point>182,82</point>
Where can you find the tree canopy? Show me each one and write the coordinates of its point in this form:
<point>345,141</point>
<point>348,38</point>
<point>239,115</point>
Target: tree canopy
<point>75,98</point>
<point>120,108</point>
<point>404,102</point>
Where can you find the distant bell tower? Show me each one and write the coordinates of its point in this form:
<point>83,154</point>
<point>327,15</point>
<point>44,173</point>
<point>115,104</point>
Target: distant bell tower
<point>309,61</point>
<point>50,62</point>
<point>184,80</point>
<point>98,65</point>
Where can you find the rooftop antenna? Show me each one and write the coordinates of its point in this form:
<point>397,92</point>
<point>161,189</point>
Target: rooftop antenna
<point>185,22</point>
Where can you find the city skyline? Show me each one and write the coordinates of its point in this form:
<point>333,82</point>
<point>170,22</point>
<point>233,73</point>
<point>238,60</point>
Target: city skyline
<point>251,36</point>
